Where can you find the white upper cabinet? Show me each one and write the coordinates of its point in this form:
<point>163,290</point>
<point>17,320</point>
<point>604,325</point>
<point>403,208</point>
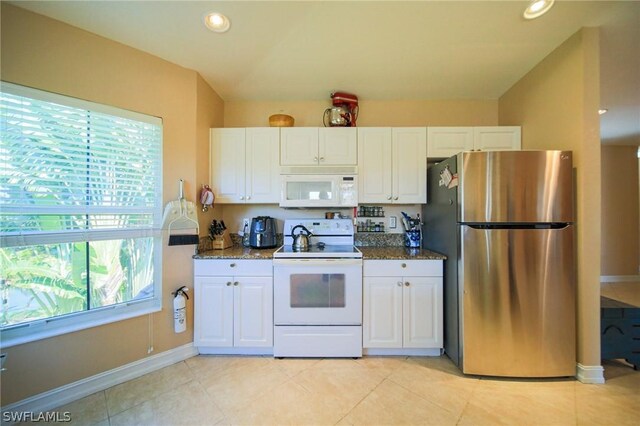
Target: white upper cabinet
<point>318,146</point>
<point>409,165</point>
<point>244,165</point>
<point>337,146</point>
<point>444,142</point>
<point>262,168</point>
<point>392,165</point>
<point>497,138</point>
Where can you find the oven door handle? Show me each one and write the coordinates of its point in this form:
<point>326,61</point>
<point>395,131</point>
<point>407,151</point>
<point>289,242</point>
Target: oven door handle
<point>316,262</point>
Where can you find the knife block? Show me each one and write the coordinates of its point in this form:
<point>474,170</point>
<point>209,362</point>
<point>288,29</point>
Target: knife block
<point>222,241</point>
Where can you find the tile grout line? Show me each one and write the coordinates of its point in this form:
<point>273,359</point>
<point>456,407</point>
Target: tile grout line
<point>466,404</point>
<point>359,402</point>
<point>146,400</point>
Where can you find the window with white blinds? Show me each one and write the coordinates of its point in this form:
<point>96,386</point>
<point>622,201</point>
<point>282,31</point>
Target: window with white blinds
<point>80,212</point>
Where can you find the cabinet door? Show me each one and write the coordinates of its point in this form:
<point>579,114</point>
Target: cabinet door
<point>497,138</point>
<point>409,155</point>
<point>262,165</point>
<point>443,142</point>
<point>213,311</point>
<point>227,165</point>
<point>374,164</point>
<point>422,312</point>
<point>299,146</point>
<point>382,312</point>
<point>337,146</point>
<point>253,311</point>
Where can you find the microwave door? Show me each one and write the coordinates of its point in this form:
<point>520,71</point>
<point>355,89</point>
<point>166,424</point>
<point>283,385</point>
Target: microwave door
<point>309,191</point>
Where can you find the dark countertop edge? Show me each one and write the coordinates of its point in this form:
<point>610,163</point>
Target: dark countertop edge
<point>399,253</point>
<point>368,253</point>
<point>237,252</point>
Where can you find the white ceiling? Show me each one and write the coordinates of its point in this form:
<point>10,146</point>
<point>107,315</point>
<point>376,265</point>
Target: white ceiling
<point>286,50</point>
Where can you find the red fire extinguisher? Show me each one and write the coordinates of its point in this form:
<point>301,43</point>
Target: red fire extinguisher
<point>180,309</point>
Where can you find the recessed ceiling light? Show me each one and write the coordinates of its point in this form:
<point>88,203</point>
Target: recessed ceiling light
<point>217,22</point>
<point>537,8</point>
<point>602,111</point>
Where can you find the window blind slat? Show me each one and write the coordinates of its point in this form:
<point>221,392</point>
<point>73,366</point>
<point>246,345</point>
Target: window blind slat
<point>71,170</point>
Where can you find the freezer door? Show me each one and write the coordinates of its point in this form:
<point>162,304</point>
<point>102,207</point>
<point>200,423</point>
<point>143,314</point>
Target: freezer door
<point>518,296</point>
<point>515,186</point>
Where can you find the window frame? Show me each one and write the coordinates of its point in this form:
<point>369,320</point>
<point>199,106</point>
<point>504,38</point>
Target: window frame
<point>35,330</point>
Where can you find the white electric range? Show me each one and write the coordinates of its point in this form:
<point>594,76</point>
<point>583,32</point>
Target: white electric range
<point>318,292</point>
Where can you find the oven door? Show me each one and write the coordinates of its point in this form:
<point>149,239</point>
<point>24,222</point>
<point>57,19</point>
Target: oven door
<point>317,291</point>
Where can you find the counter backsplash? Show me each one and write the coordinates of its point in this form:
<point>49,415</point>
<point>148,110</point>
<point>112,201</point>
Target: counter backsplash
<point>378,240</point>
<point>361,240</point>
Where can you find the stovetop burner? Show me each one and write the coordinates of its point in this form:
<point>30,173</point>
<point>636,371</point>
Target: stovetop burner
<point>330,251</point>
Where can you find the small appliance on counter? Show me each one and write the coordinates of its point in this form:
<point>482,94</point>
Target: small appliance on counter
<point>263,232</point>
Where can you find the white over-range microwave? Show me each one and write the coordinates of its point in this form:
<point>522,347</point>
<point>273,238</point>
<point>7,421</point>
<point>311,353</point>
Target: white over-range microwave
<point>318,190</point>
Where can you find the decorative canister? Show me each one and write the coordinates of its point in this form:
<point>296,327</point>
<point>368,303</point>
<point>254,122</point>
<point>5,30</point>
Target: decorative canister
<point>412,239</point>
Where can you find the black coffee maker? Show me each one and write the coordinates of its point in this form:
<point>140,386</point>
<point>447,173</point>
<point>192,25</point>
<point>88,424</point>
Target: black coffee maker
<point>263,232</point>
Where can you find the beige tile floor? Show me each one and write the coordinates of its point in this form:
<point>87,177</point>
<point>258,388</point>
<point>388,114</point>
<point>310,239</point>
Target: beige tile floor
<point>212,390</point>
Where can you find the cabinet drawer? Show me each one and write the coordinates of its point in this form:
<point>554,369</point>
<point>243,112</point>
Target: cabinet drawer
<point>403,268</point>
<point>233,267</point>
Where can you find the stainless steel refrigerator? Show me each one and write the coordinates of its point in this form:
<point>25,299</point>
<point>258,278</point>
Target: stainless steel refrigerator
<point>505,221</point>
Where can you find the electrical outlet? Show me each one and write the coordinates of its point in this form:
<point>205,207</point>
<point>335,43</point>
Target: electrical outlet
<point>393,222</point>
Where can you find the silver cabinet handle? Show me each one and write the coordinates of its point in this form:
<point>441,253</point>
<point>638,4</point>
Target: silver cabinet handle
<point>321,158</point>
<point>407,284</point>
<point>236,283</point>
<point>241,197</point>
<point>395,198</point>
<point>248,197</point>
<point>233,265</point>
<point>228,283</point>
<point>389,197</point>
<point>315,159</point>
<point>399,283</point>
<point>404,265</point>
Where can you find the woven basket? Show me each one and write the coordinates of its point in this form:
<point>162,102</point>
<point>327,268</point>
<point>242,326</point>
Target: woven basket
<point>281,120</point>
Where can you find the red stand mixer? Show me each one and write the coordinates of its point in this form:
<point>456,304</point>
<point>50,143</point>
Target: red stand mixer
<point>344,111</point>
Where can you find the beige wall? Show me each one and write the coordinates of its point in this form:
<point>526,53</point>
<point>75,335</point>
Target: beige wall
<point>46,54</point>
<point>556,103</point>
<point>620,219</point>
<point>372,113</point>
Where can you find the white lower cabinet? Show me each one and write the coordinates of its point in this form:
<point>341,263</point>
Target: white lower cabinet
<point>402,306</point>
<point>233,306</point>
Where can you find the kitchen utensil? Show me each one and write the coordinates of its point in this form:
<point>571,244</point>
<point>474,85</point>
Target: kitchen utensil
<point>281,120</point>
<point>181,215</point>
<point>301,240</point>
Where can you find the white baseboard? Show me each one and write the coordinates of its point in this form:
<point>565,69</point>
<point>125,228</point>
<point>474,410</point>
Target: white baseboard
<point>619,278</point>
<point>73,391</point>
<point>590,374</point>
<point>210,350</point>
<point>402,352</point>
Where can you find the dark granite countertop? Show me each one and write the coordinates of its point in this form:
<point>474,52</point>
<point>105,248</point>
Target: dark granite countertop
<point>379,253</point>
<point>237,252</point>
<point>399,252</point>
